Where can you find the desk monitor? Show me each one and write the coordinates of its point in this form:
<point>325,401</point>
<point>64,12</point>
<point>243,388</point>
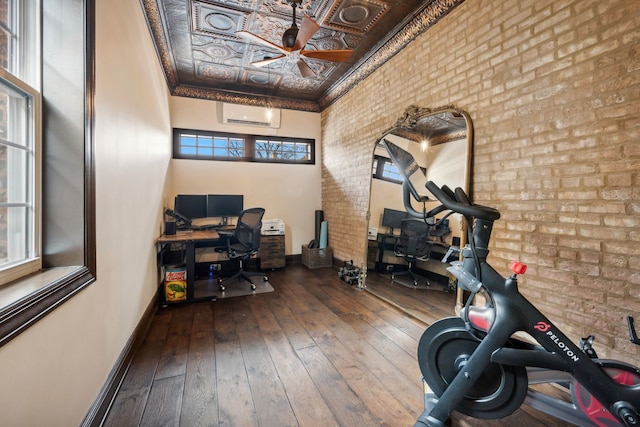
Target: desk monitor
<point>224,206</point>
<point>392,218</point>
<point>191,205</point>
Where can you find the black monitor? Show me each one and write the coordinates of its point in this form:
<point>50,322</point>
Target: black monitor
<point>224,205</point>
<point>191,205</point>
<point>392,218</point>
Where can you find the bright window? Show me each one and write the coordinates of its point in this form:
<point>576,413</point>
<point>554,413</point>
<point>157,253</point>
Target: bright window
<point>283,150</point>
<point>206,145</point>
<point>19,140</point>
<point>384,169</point>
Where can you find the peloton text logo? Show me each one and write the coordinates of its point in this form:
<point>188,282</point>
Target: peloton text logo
<point>544,327</point>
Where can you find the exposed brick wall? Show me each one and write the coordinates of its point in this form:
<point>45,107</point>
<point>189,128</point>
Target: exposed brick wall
<point>553,88</point>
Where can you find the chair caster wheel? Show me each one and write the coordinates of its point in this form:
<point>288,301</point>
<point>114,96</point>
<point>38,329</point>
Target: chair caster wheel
<point>253,287</point>
<point>265,279</point>
<point>222,288</point>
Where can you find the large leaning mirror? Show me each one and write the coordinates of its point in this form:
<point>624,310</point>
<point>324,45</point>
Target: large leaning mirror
<point>440,141</point>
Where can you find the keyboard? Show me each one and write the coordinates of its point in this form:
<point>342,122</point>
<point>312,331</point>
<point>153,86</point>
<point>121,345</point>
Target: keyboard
<point>226,232</point>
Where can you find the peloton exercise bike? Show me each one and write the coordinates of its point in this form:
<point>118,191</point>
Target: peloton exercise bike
<point>473,364</point>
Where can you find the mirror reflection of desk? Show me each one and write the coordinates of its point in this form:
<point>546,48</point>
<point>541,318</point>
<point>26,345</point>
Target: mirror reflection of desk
<point>385,260</point>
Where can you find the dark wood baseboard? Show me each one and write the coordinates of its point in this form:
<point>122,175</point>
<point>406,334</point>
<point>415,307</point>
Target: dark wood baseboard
<point>290,259</point>
<point>98,411</point>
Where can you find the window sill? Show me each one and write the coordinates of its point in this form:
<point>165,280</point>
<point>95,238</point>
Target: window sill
<point>20,288</point>
<point>25,301</point>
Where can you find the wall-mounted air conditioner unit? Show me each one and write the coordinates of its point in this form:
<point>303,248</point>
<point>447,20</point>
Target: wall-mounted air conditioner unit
<point>247,115</point>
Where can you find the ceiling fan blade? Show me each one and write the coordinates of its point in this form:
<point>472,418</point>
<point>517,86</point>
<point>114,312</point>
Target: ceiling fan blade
<point>267,61</point>
<point>305,70</point>
<point>308,28</point>
<point>250,37</point>
<point>341,55</point>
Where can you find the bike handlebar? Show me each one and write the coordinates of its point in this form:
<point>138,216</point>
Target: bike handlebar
<point>460,203</point>
<point>406,199</point>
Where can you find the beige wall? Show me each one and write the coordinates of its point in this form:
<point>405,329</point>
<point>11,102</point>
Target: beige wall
<point>553,89</point>
<point>53,372</point>
<point>287,192</point>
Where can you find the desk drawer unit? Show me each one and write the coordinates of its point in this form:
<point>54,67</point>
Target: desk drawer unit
<point>272,252</point>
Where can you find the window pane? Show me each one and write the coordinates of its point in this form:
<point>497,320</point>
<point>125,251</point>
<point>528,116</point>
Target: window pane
<point>390,171</point>
<point>205,141</point>
<point>205,151</point>
<point>7,35</point>
<point>288,149</point>
<point>5,49</point>
<point>5,12</point>
<point>236,147</point>
<point>189,140</point>
<point>16,175</point>
<point>220,142</point>
<point>261,149</point>
<point>13,181</point>
<point>188,150</point>
<point>14,235</point>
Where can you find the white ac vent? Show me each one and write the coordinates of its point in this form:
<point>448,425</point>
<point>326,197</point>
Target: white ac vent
<point>247,115</point>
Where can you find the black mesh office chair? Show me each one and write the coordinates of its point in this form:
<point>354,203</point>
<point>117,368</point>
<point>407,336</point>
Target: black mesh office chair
<point>413,245</point>
<point>247,235</point>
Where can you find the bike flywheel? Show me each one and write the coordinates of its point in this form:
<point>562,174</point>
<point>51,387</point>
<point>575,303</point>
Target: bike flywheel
<point>592,408</point>
<point>443,351</point>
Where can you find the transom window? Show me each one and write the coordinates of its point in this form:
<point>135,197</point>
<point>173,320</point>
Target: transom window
<point>206,145</point>
<point>384,169</point>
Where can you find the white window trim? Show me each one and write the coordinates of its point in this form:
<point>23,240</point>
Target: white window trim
<point>34,263</point>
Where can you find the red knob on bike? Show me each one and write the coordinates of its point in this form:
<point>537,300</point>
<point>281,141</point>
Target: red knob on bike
<point>517,267</point>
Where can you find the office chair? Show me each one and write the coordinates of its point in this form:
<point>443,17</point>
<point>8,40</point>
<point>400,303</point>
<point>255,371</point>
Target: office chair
<point>441,230</point>
<point>247,235</point>
<point>413,245</point>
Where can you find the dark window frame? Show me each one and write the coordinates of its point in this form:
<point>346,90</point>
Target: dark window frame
<point>250,143</point>
<point>17,317</point>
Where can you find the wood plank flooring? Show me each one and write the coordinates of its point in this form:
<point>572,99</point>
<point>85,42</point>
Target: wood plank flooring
<point>315,352</point>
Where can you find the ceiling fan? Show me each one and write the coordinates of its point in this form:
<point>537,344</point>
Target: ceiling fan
<point>294,40</point>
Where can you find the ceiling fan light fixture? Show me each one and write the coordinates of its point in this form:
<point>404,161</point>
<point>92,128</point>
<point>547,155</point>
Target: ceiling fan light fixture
<point>289,36</point>
<point>294,40</point>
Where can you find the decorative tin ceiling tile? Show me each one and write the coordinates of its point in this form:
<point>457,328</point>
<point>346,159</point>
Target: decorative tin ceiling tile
<point>211,71</point>
<point>260,78</point>
<point>355,16</point>
<point>222,21</point>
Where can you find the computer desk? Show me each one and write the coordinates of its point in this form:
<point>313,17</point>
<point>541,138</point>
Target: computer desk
<point>188,241</point>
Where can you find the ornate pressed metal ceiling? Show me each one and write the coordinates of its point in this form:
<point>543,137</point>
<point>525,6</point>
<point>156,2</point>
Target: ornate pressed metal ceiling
<point>202,56</point>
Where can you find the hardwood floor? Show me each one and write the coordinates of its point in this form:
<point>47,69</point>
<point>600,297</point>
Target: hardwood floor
<point>426,304</point>
<point>315,352</point>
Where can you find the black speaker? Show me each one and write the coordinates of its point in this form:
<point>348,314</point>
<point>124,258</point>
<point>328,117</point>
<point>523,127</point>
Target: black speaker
<point>169,227</point>
<point>319,219</point>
